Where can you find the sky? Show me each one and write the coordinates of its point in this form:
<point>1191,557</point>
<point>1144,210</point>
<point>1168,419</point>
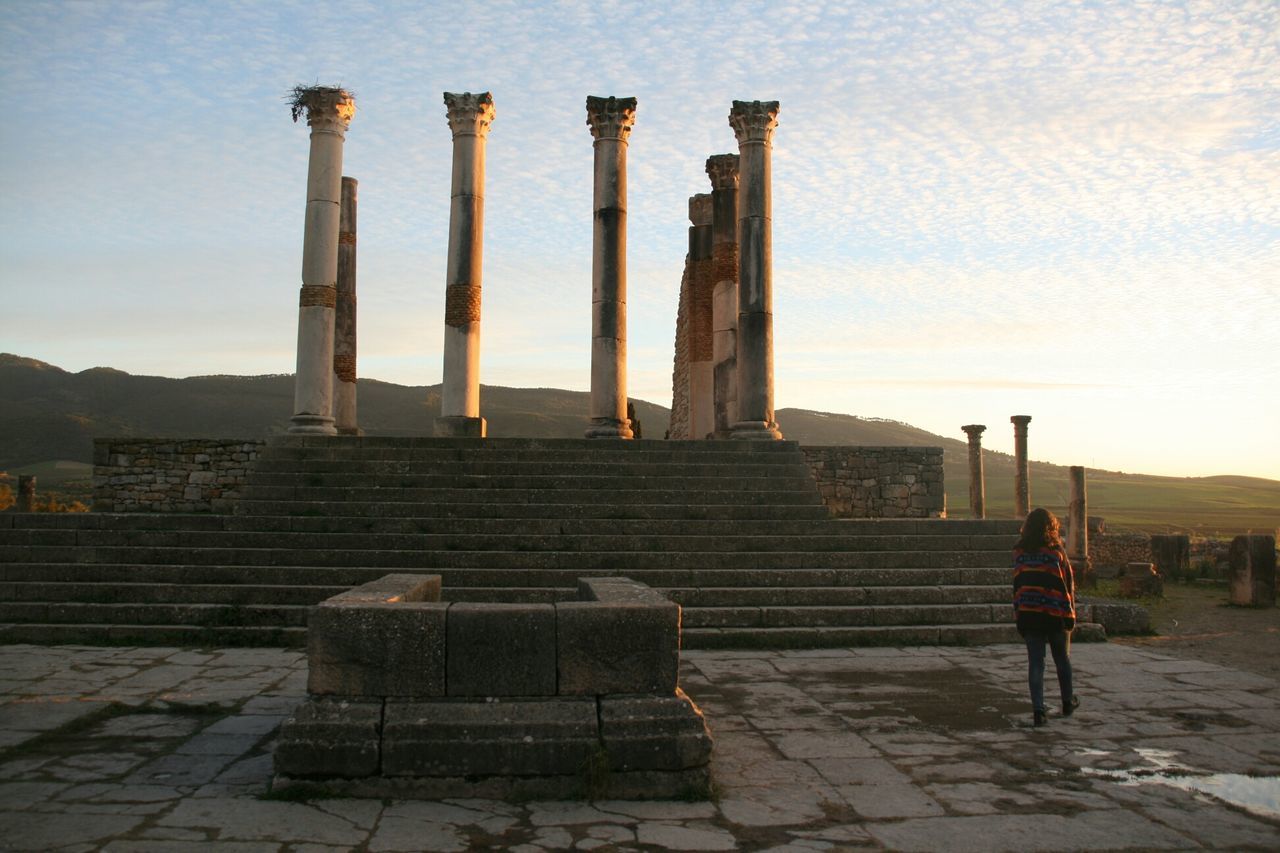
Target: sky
<point>980,209</point>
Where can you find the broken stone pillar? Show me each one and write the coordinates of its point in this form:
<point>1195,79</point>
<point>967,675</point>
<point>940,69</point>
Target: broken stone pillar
<point>26,501</point>
<point>469,118</point>
<point>1021,472</point>
<point>977,479</point>
<point>1172,554</point>
<point>610,120</point>
<point>329,113</point>
<point>701,287</point>
<point>1253,571</point>
<point>1078,526</point>
<point>753,123</point>
<point>723,171</point>
<point>344,320</point>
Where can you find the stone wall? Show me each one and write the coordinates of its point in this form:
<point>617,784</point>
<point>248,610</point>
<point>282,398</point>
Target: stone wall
<point>170,475</point>
<point>879,482</point>
<point>679,427</point>
<point>1110,551</point>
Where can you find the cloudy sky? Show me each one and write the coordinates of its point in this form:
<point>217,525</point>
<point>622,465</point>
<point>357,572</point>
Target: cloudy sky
<point>1068,210</point>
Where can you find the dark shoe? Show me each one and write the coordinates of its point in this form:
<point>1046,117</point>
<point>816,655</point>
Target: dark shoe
<point>1041,717</point>
<point>1069,708</point>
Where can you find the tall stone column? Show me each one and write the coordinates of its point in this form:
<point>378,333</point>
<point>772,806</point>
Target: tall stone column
<point>1021,471</point>
<point>701,366</point>
<point>1078,524</point>
<point>753,123</point>
<point>344,321</point>
<point>977,478</point>
<point>329,113</point>
<point>469,118</point>
<point>722,169</point>
<point>610,120</point>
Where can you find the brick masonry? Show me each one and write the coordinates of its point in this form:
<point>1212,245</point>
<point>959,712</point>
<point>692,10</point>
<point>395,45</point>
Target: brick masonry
<point>170,475</point>
<point>879,482</point>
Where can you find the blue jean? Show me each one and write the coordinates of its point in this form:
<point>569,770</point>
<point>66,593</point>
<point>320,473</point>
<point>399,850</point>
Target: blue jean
<point>1059,643</point>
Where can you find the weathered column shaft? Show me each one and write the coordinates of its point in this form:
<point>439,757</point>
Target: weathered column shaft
<point>610,120</point>
<point>329,113</point>
<point>701,366</point>
<point>1021,469</point>
<point>753,123</point>
<point>977,477</point>
<point>722,169</point>
<point>344,322</point>
<point>26,500</point>
<point>1078,520</point>
<point>469,117</point>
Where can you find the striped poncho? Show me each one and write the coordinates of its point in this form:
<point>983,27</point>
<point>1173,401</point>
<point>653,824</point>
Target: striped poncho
<point>1043,590</point>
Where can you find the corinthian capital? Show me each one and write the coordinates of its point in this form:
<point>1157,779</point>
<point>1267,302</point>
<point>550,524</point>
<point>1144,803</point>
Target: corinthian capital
<point>700,209</point>
<point>611,118</point>
<point>468,114</point>
<point>723,171</point>
<point>323,105</point>
<point>753,121</point>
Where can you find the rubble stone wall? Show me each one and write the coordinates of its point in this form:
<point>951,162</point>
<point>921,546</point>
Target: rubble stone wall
<point>679,428</point>
<point>1114,550</point>
<point>170,475</point>
<point>880,482</point>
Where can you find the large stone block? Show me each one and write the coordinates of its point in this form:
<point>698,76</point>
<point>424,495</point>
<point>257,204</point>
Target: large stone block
<point>608,647</point>
<point>377,649</point>
<point>1172,555</point>
<point>501,650</point>
<point>515,738</point>
<point>654,733</point>
<point>330,738</point>
<point>1253,571</point>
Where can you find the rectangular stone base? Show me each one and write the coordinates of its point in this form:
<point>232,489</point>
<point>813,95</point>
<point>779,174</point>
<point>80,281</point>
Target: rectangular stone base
<point>457,426</point>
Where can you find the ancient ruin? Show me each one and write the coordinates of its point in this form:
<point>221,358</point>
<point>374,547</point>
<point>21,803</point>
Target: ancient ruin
<point>977,478</point>
<point>344,320</point>
<point>1021,469</point>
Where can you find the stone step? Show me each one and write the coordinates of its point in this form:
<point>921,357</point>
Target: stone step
<point>504,509</point>
<point>188,636</point>
<point>88,591</point>
<point>866,615</point>
<point>154,613</point>
<point>741,541</point>
<point>762,491</point>
<point>823,596</point>
<point>517,482</point>
<point>348,576</point>
<point>817,637</point>
<point>587,562</point>
<point>320,446</point>
<point>777,466</point>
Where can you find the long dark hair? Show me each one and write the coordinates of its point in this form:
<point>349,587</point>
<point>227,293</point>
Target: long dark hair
<point>1040,530</point>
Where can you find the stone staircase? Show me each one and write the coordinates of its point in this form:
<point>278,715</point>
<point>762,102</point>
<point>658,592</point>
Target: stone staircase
<point>735,532</point>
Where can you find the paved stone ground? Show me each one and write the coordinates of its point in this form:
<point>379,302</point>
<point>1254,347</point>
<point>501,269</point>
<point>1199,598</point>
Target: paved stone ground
<point>907,749</point>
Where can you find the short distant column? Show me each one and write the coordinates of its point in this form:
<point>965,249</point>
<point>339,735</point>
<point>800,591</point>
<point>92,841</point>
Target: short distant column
<point>329,113</point>
<point>722,169</point>
<point>469,119</point>
<point>344,321</point>
<point>701,366</point>
<point>753,123</point>
<point>1078,524</point>
<point>977,478</point>
<point>610,120</point>
<point>1021,471</point>
<point>26,501</point>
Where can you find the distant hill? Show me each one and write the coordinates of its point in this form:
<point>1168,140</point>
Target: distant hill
<point>49,415</point>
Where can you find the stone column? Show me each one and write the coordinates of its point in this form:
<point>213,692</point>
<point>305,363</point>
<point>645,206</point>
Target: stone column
<point>701,286</point>
<point>26,501</point>
<point>722,169</point>
<point>753,123</point>
<point>1078,525</point>
<point>329,113</point>
<point>610,120</point>
<point>469,119</point>
<point>1021,472</point>
<point>977,479</point>
<point>344,320</point>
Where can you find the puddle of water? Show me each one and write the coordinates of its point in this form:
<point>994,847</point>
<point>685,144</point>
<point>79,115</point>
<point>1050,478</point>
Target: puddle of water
<point>1259,795</point>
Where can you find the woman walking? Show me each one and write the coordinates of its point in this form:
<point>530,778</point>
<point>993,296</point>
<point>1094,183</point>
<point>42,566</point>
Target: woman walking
<point>1044,596</point>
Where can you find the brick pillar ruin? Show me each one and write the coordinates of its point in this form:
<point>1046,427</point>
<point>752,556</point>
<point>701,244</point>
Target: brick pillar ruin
<point>1078,526</point>
<point>753,123</point>
<point>344,319</point>
<point>610,120</point>
<point>722,169</point>
<point>1021,471</point>
<point>469,118</point>
<point>701,289</point>
<point>977,478</point>
<point>329,113</point>
<point>26,500</point>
